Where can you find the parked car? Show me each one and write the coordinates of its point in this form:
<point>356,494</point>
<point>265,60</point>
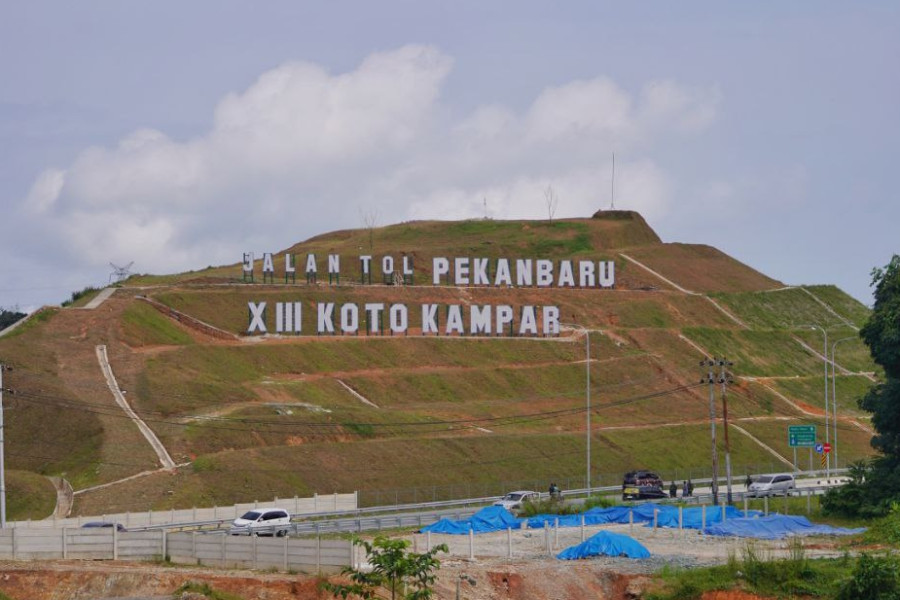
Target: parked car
<point>642,485</point>
<point>92,524</point>
<point>514,501</point>
<point>262,521</point>
<point>779,484</point>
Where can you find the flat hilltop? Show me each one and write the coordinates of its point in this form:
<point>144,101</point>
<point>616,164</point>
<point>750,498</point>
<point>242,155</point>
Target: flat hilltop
<point>409,414</point>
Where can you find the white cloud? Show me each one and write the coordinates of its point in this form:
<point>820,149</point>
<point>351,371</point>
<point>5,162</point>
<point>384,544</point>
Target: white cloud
<point>301,150</point>
<point>686,109</point>
<point>45,190</point>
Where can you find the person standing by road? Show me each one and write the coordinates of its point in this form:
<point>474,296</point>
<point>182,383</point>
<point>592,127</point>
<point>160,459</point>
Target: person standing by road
<point>554,491</point>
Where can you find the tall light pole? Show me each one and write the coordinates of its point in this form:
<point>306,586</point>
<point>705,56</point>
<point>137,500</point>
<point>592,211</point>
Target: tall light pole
<point>834,395</point>
<point>587,412</point>
<point>587,397</point>
<point>827,436</point>
<point>2,460</point>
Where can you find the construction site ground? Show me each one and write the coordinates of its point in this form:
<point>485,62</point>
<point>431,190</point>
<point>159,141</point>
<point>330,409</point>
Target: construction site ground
<point>533,573</point>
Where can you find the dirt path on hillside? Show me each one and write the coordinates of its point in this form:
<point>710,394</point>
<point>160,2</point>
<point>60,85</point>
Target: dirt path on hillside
<point>64,498</point>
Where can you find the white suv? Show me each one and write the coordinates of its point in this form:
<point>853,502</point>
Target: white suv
<point>262,521</point>
<point>514,501</point>
<point>772,485</point>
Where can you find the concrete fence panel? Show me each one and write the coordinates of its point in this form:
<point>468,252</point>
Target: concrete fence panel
<point>308,555</point>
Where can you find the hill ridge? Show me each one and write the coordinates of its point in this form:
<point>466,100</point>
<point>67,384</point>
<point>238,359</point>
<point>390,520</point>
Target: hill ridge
<point>485,411</point>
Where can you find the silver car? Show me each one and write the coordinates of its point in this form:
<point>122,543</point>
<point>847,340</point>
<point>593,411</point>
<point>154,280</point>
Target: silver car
<point>779,484</point>
<point>262,521</point>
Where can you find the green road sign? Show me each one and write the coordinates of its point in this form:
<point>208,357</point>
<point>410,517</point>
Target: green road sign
<point>802,436</point>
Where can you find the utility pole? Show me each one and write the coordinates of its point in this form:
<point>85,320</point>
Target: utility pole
<point>725,380</point>
<point>2,459</point>
<point>711,380</point>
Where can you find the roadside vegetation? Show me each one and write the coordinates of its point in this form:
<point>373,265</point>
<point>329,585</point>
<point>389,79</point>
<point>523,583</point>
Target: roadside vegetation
<point>873,576</point>
<point>874,489</point>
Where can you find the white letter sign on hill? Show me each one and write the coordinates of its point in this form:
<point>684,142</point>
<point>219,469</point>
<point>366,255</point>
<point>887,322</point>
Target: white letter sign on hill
<point>484,320</point>
<point>257,317</point>
<point>460,271</point>
<point>436,319</point>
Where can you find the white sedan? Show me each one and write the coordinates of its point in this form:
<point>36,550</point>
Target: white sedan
<point>514,501</point>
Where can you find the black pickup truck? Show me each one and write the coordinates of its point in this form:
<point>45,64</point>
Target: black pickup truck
<point>642,485</point>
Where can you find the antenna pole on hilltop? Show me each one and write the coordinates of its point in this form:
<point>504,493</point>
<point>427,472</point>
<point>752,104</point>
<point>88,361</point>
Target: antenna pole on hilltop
<point>612,185</point>
<point>120,273</point>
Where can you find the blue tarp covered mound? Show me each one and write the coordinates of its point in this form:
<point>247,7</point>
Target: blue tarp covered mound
<point>605,543</point>
<point>776,527</point>
<point>692,518</point>
<point>491,518</point>
<point>643,513</point>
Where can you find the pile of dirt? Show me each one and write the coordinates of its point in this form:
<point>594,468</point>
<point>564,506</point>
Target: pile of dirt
<point>525,580</point>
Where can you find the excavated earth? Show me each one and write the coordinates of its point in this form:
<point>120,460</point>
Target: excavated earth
<point>99,580</point>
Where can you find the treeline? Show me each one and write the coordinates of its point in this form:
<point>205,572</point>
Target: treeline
<point>8,316</point>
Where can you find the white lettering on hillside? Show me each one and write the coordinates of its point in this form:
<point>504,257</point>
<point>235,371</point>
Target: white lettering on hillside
<point>478,320</point>
<point>459,271</point>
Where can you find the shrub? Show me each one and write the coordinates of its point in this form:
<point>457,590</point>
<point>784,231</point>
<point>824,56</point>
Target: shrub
<point>76,296</point>
<point>874,578</point>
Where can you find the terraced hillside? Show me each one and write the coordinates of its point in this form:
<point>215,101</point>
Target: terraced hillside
<point>408,416</point>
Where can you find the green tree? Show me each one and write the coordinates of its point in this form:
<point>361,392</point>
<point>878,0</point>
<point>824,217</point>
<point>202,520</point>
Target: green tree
<point>881,333</point>
<point>394,570</point>
<point>9,316</point>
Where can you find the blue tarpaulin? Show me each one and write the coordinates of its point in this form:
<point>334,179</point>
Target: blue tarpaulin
<point>643,513</point>
<point>776,527</point>
<point>491,518</point>
<point>737,523</point>
<point>605,543</point>
<point>692,518</point>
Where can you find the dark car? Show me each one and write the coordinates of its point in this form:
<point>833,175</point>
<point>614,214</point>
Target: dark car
<point>642,485</point>
<point>92,524</point>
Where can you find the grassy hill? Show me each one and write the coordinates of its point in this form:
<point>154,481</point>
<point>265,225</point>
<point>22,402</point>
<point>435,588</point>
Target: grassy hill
<point>412,417</point>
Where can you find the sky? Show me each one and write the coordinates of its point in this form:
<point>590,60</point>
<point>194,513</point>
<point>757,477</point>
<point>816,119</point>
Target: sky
<point>177,135</point>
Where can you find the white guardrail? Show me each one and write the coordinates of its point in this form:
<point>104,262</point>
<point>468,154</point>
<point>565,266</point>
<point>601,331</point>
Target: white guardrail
<point>328,503</point>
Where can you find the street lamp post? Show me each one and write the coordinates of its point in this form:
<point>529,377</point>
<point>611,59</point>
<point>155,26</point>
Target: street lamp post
<point>834,395</point>
<point>2,459</point>
<point>827,436</point>
<point>587,397</point>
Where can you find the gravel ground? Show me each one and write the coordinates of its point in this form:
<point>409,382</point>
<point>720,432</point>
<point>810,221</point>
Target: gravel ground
<point>668,547</point>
